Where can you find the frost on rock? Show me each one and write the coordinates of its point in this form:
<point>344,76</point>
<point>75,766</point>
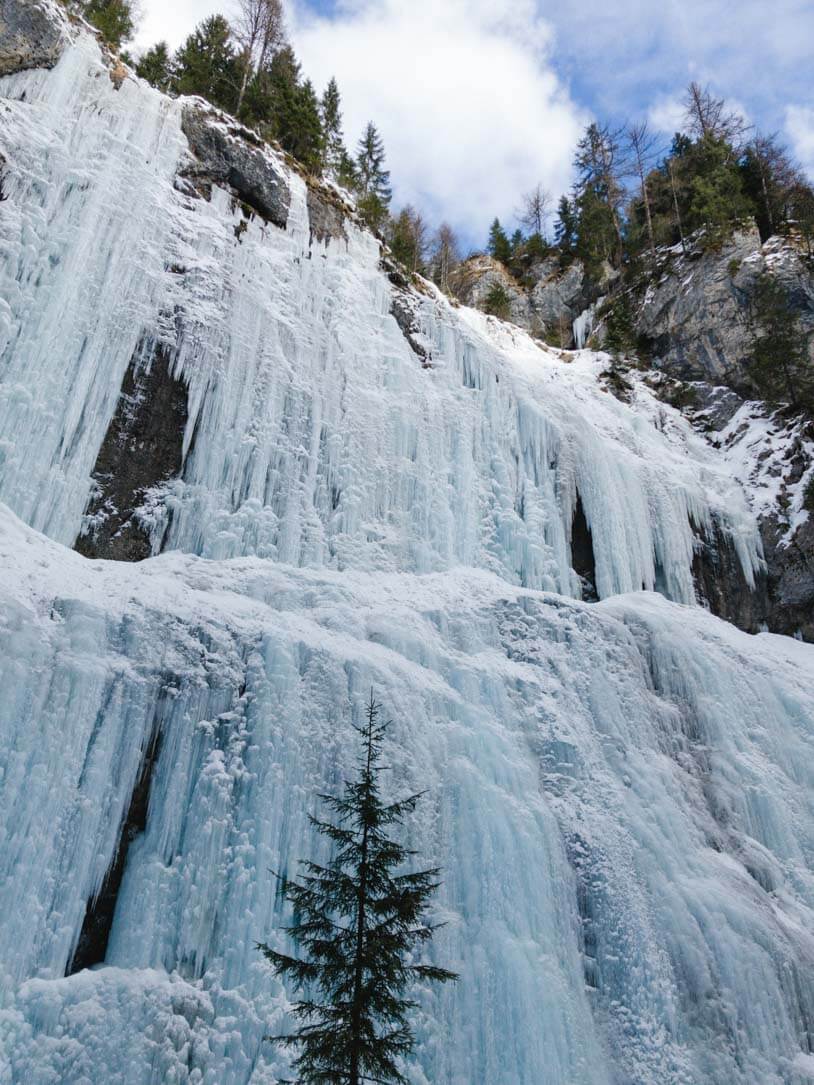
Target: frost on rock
<point>619,793</point>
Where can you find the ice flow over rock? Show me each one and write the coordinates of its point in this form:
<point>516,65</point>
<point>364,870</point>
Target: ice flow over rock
<point>620,794</point>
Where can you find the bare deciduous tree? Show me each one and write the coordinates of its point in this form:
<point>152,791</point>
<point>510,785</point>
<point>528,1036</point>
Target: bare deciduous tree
<point>445,255</point>
<point>260,30</point>
<point>642,145</point>
<point>706,115</point>
<point>536,209</point>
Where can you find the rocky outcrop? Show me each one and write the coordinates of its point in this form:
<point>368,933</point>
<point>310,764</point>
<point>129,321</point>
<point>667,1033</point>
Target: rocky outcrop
<point>142,448</point>
<point>326,215</point>
<point>773,457</point>
<point>545,304</point>
<point>224,153</point>
<point>696,315</point>
<point>475,279</point>
<point>32,35</point>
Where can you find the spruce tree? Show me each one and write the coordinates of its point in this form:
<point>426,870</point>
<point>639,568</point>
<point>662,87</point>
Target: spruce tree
<point>499,245</point>
<point>335,155</point>
<point>357,921</point>
<point>206,64</point>
<point>373,179</point>
<point>156,66</point>
<point>114,19</point>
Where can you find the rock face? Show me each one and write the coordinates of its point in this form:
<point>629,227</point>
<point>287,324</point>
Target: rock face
<point>774,459</point>
<point>32,35</point>
<point>697,315</point>
<point>472,281</point>
<point>225,155</point>
<point>547,308</point>
<point>142,448</point>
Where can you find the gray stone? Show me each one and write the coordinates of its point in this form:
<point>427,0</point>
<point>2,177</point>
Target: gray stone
<point>546,306</point>
<point>697,315</point>
<point>142,449</point>
<point>227,154</point>
<point>32,35</point>
<point>326,216</point>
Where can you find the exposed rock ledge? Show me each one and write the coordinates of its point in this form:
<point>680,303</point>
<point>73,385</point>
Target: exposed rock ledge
<point>32,35</point>
<point>228,154</point>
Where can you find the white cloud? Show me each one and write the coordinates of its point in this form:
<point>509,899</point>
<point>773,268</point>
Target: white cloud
<point>173,21</point>
<point>463,92</point>
<point>667,115</point>
<point>800,130</point>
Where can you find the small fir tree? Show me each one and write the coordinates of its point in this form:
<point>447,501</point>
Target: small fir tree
<point>335,156</point>
<point>373,179</point>
<point>206,64</point>
<point>156,66</point>
<point>357,921</point>
<point>114,19</point>
<point>499,245</point>
<point>497,302</point>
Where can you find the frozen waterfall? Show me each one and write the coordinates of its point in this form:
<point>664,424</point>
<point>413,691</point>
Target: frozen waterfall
<point>620,794</point>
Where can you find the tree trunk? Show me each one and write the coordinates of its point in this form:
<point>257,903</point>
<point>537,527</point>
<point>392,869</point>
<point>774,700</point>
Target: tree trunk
<point>675,204</point>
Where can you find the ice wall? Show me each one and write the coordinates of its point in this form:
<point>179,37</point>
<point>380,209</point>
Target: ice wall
<point>315,435</point>
<point>620,797</point>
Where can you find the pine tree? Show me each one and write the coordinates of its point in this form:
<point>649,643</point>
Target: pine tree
<point>336,155</point>
<point>205,64</point>
<point>499,246</point>
<point>357,921</point>
<point>156,66</point>
<point>373,178</point>
<point>565,228</point>
<point>114,19</point>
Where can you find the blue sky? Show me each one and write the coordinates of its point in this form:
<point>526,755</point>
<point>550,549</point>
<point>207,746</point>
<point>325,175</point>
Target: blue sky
<point>478,100</point>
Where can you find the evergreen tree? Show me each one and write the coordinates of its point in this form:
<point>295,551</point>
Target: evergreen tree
<point>717,200</point>
<point>565,228</point>
<point>114,19</point>
<point>205,64</point>
<point>156,66</point>
<point>599,196</point>
<point>781,367</point>
<point>497,302</point>
<point>337,160</point>
<point>373,178</point>
<point>357,922</point>
<point>499,245</point>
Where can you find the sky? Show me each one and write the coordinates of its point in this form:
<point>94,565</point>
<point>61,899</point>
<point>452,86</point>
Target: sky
<point>480,100</point>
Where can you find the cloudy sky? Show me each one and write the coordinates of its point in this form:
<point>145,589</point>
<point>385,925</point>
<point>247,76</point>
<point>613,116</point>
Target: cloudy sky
<point>478,100</point>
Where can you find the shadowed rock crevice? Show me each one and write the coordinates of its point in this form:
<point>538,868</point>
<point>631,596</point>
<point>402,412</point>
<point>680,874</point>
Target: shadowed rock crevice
<point>143,447</point>
<point>91,948</point>
<point>583,561</point>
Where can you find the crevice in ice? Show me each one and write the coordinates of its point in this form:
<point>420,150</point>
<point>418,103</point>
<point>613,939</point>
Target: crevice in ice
<point>583,561</point>
<point>91,948</point>
<point>142,449</point>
